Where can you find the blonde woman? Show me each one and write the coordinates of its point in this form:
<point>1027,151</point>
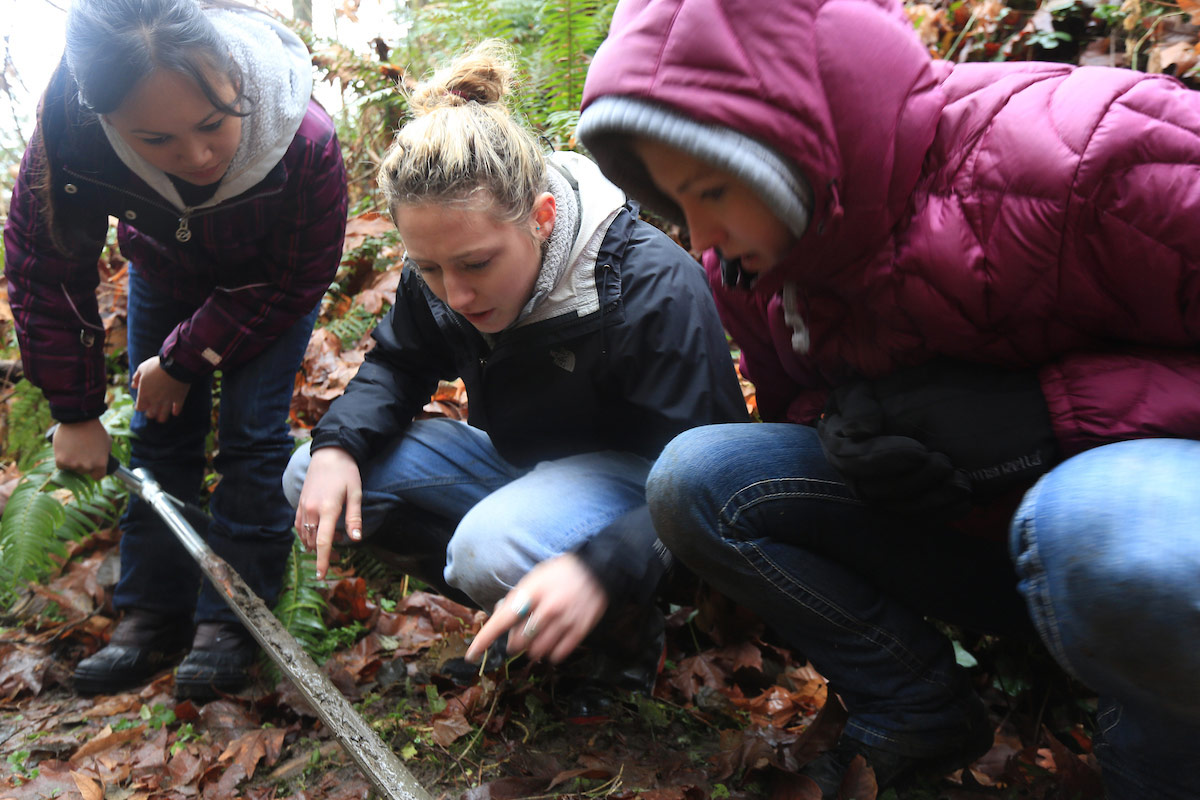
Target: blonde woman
<point>586,338</point>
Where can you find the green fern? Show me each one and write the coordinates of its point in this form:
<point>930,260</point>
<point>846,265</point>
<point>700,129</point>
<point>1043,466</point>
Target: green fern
<point>572,30</point>
<point>301,606</point>
<point>553,40</point>
<point>351,328</point>
<point>28,419</point>
<point>366,564</point>
<point>51,507</point>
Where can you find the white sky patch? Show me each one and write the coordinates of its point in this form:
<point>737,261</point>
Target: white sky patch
<point>32,33</point>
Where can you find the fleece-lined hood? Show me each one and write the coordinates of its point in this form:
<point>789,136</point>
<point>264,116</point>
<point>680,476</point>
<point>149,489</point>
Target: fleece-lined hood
<point>1031,215</point>
<point>800,87</point>
<point>277,70</point>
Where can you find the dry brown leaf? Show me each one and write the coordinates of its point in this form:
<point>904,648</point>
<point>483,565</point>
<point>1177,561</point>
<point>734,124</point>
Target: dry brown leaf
<point>446,731</point>
<point>263,745</point>
<point>225,787</point>
<point>23,669</point>
<point>227,714</point>
<point>90,788</point>
<point>790,786</point>
<point>859,781</point>
<point>379,290</point>
<point>1181,55</point>
<point>702,669</point>
<point>106,740</point>
<point>370,223</point>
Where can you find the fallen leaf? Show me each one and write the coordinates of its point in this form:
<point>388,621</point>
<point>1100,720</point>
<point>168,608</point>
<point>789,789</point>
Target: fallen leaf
<point>263,745</point>
<point>23,669</point>
<point>447,730</point>
<point>790,786</point>
<point>859,781</point>
<point>90,788</point>
<point>368,224</point>
<point>106,740</point>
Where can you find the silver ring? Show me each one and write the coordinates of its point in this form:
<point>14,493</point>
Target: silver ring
<point>521,604</point>
<point>530,630</point>
<point>309,527</point>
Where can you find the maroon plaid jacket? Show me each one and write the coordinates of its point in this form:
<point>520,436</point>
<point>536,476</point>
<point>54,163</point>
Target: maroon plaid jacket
<point>253,264</point>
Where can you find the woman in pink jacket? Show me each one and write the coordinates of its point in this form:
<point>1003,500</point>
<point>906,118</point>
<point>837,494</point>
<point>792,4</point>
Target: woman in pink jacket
<point>945,280</point>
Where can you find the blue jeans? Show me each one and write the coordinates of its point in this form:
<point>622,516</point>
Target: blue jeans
<point>499,520</point>
<point>251,524</point>
<point>1107,547</point>
<point>756,511</point>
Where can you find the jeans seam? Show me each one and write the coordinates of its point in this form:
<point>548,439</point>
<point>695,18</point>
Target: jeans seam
<point>1038,592</point>
<point>882,638</point>
<point>872,633</point>
<point>1114,712</point>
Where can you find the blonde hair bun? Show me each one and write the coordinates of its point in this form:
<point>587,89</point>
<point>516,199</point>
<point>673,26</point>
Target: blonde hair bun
<point>462,142</point>
<point>482,75</point>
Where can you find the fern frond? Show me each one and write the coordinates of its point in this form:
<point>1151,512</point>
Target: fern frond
<point>301,606</point>
<point>369,566</point>
<point>573,29</point>
<point>353,326</point>
<point>28,541</point>
<point>50,507</point>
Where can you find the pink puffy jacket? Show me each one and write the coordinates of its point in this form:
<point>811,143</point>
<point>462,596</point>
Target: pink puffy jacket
<point>1028,215</point>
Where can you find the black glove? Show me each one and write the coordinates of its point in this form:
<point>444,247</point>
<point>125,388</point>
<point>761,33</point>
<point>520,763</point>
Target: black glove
<point>931,440</point>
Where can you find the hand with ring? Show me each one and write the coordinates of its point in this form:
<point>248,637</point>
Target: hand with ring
<point>331,484</point>
<point>559,600</point>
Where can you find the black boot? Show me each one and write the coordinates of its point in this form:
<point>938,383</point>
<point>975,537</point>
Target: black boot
<point>829,769</point>
<point>144,642</point>
<point>626,657</point>
<point>220,661</point>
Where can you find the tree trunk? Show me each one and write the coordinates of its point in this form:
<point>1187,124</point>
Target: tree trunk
<point>302,11</point>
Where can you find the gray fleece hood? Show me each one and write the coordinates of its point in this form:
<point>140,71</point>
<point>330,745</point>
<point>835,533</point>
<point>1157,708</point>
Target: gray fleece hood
<point>277,69</point>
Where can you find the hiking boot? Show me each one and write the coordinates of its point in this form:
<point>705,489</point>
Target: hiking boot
<point>617,669</point>
<point>144,643</point>
<point>829,769</point>
<point>465,673</point>
<point>219,663</point>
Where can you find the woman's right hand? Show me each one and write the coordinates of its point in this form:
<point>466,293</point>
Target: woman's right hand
<point>82,447</point>
<point>332,481</point>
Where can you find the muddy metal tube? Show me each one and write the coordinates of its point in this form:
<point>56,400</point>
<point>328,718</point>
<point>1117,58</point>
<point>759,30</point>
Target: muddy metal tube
<point>378,763</point>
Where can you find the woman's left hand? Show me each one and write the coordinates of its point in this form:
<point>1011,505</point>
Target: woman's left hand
<point>549,612</point>
<point>159,396</point>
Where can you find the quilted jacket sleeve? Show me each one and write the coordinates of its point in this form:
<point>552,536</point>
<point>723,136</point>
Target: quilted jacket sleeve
<point>1098,398</point>
<point>1131,274</point>
<point>53,298</point>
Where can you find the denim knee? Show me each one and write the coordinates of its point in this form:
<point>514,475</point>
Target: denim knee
<point>485,563</point>
<point>295,472</point>
<point>1109,575</point>
<point>677,491</point>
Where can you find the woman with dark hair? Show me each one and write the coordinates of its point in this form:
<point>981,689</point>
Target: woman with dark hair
<point>193,125</point>
<point>968,296</point>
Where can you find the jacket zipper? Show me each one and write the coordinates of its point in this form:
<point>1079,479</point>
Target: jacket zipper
<point>182,233</point>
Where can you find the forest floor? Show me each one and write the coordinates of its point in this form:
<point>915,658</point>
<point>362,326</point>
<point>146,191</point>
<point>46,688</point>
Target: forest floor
<point>732,715</point>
